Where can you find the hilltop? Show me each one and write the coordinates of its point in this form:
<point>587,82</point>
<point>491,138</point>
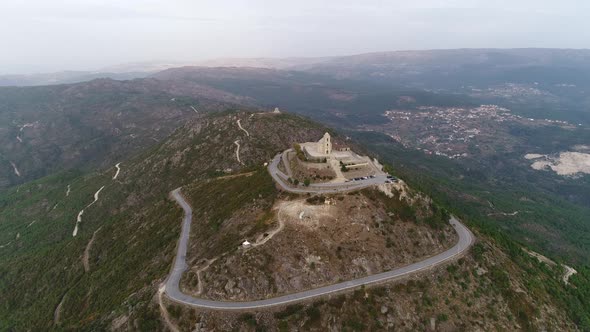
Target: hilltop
<point>108,275</point>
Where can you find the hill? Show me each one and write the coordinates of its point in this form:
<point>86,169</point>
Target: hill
<point>107,276</point>
<point>92,124</point>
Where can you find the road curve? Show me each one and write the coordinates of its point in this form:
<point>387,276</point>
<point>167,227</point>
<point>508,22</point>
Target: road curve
<point>319,188</point>
<point>172,283</point>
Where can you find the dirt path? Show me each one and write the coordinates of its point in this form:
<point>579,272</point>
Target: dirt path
<point>163,310</point>
<point>275,231</point>
<point>79,218</point>
<point>253,245</point>
<point>16,171</point>
<point>118,170</point>
<point>194,109</point>
<point>26,125</point>
<point>237,143</point>
<point>504,214</point>
<point>68,191</point>
<point>85,258</point>
<point>335,164</point>
<point>569,271</point>
<point>240,125</point>
<point>57,312</point>
<point>225,177</point>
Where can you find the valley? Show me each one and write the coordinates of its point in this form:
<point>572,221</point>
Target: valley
<point>181,201</point>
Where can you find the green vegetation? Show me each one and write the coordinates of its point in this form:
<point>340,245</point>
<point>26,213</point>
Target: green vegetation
<point>83,126</point>
<point>469,192</point>
<point>466,193</point>
<point>136,226</point>
<point>299,152</point>
<point>343,167</point>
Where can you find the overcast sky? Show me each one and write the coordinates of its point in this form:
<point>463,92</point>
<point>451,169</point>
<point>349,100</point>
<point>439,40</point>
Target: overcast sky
<point>43,35</point>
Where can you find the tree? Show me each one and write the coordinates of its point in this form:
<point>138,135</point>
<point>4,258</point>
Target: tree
<point>306,182</point>
<point>343,167</point>
<point>299,152</point>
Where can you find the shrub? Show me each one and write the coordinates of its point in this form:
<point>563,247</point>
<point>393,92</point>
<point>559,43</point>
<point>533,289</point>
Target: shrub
<point>248,318</point>
<point>299,152</point>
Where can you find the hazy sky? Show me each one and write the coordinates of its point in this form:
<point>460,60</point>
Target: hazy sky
<point>52,35</point>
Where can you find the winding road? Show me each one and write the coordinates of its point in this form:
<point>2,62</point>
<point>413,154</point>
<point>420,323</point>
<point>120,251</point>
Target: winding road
<point>172,284</point>
<point>318,188</point>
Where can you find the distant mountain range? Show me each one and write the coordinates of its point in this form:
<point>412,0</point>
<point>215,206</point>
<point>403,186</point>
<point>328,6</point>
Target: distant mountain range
<point>441,67</point>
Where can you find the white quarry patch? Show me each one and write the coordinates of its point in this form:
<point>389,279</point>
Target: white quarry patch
<point>530,156</point>
<point>566,163</point>
<point>79,218</point>
<point>581,147</point>
<point>16,171</point>
<point>540,165</point>
<point>118,170</point>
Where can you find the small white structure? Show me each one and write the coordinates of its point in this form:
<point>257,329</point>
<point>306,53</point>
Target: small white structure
<point>276,110</point>
<point>246,244</point>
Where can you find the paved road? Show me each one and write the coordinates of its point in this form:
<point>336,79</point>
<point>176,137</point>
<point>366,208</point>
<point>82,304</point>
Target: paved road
<point>172,283</point>
<point>285,156</point>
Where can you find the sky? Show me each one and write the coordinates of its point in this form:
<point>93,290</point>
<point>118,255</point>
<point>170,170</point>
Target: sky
<point>46,36</point>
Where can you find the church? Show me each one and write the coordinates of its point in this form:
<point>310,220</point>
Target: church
<point>319,150</point>
<point>322,150</point>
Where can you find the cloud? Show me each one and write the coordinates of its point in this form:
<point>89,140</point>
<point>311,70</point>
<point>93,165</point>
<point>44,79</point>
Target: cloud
<point>86,34</point>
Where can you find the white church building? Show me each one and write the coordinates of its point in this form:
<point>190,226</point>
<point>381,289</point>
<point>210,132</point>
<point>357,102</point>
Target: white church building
<point>322,150</point>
